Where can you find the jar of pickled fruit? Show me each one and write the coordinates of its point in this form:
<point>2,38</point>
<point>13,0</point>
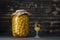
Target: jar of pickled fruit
<point>20,23</point>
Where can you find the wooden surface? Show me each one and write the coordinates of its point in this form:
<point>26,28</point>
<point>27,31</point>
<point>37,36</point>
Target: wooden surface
<point>41,38</point>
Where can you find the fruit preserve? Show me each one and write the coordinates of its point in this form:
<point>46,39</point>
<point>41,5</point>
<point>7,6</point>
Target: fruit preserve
<point>20,24</point>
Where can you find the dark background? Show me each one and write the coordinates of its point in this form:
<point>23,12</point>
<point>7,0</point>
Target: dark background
<point>46,12</point>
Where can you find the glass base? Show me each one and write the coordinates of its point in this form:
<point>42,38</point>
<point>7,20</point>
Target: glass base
<point>36,37</point>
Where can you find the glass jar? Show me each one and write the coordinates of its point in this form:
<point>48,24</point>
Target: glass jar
<point>20,23</point>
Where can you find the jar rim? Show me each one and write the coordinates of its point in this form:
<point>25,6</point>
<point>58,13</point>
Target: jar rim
<point>20,12</point>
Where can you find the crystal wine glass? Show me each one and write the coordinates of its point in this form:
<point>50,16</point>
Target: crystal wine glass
<point>37,28</point>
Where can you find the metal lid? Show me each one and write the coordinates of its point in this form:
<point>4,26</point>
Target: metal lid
<point>21,12</point>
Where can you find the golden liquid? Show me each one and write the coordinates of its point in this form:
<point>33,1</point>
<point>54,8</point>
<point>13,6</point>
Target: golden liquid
<point>20,26</point>
<point>37,28</point>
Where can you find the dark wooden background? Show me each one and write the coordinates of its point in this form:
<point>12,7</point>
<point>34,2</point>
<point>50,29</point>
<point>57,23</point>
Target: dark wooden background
<point>46,12</point>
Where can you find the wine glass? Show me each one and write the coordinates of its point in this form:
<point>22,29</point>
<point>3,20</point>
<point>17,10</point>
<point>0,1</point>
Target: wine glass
<point>37,28</point>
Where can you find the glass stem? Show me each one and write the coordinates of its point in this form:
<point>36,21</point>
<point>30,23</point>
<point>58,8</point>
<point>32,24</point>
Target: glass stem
<point>36,35</point>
